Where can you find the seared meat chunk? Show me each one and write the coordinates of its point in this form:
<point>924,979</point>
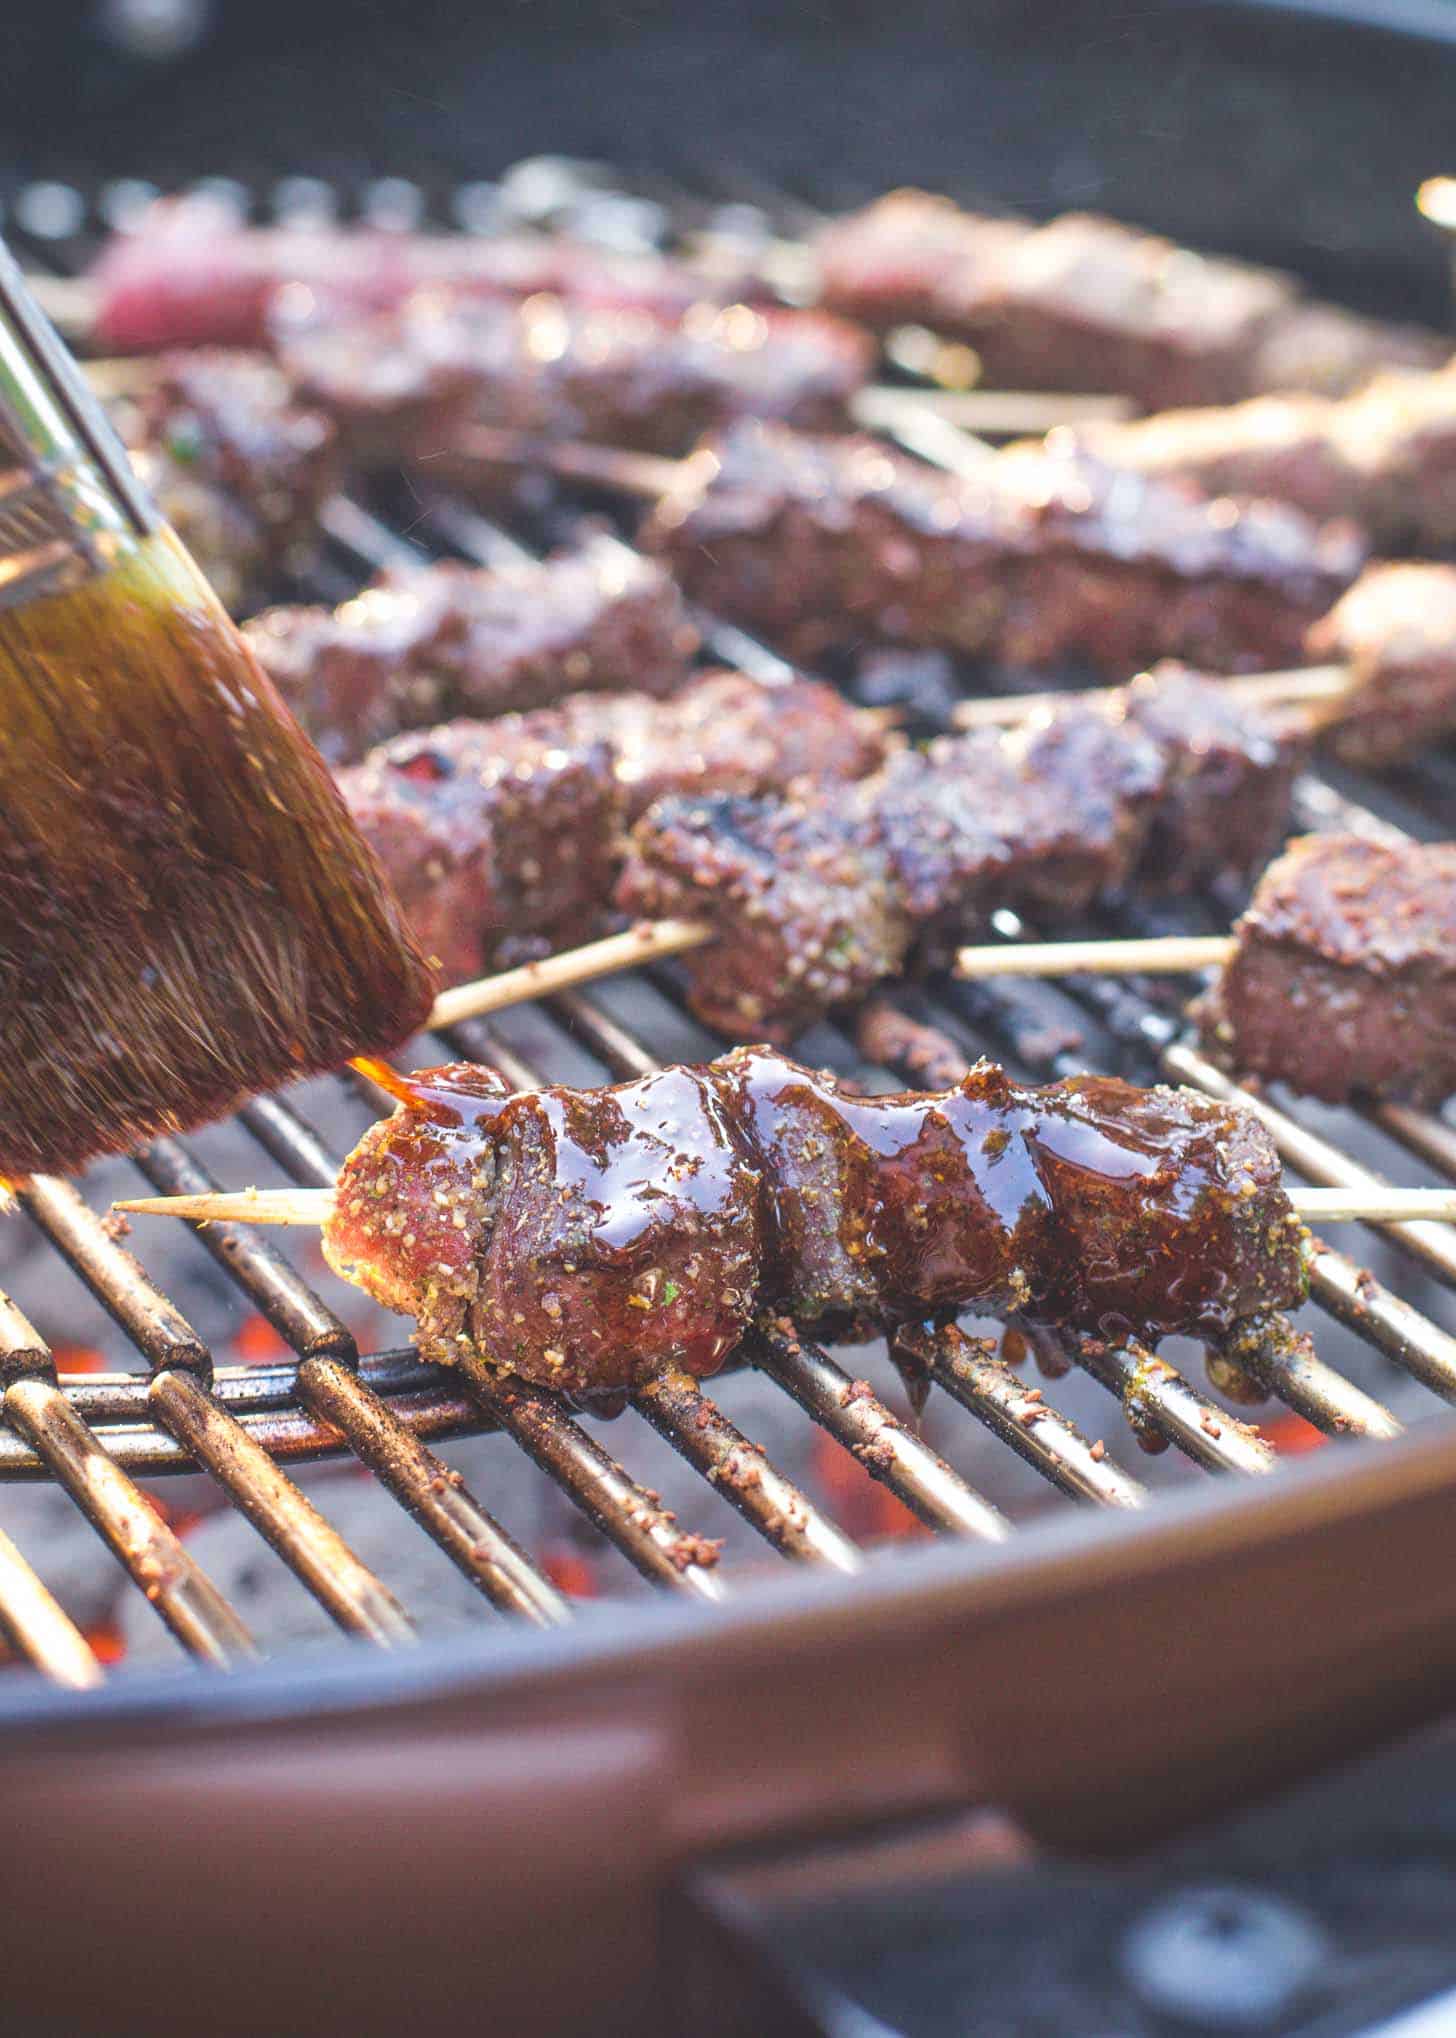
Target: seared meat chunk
<point>1224,802</point>
<point>426,643</point>
<point>1395,632</point>
<point>238,466</point>
<point>802,900</point>
<point>1087,303</point>
<point>488,830</point>
<point>1343,982</point>
<point>727,733</point>
<point>1046,815</point>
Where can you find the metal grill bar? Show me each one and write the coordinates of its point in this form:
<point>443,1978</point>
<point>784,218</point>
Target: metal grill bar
<point>969,1371</point>
<point>167,1575</point>
<point>179,1397</point>
<point>328,1384</point>
<point>38,1629</point>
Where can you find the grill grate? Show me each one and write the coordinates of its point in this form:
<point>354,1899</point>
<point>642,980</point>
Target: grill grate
<point>95,1435</point>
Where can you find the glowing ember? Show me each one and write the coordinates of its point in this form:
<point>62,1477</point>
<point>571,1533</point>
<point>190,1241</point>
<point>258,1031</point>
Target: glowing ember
<point>106,1642</point>
<point>1292,1436</point>
<point>78,1359</point>
<point>863,1507</point>
<point>258,1343</point>
<point>570,1572</point>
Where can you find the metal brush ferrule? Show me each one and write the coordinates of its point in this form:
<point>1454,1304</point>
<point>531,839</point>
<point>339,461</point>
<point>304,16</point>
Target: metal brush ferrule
<point>70,504</point>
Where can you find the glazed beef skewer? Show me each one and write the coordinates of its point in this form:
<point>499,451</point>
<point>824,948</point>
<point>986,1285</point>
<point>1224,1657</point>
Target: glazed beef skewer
<point>587,1239</point>
<point>1086,303</point>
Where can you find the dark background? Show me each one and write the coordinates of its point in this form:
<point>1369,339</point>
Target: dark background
<point>1278,131</point>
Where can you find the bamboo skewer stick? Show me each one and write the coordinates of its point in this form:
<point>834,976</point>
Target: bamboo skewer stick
<point>1001,413</point>
<point>1383,1204</point>
<point>1159,955</point>
<point>655,940</point>
<point>1309,683</point>
<point>648,941</point>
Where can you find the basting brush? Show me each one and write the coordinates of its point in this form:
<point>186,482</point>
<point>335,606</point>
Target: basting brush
<point>187,914</point>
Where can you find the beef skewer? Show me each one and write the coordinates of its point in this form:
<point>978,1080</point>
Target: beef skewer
<point>776,824</point>
<point>588,1239</point>
<point>1391,690</point>
<point>427,643</point>
<point>402,384</point>
<point>238,464</point>
<point>833,544</point>
<point>191,274</point>
<point>1383,456</point>
<point>1086,303</point>
<point>1339,979</point>
<point>1080,303</point>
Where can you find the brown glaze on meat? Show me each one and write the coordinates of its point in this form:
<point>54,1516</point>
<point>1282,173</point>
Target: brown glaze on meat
<point>1086,302</point>
<point>1396,632</point>
<point>1343,982</point>
<point>238,466</point>
<point>840,544</point>
<point>587,1239</point>
<point>423,644</point>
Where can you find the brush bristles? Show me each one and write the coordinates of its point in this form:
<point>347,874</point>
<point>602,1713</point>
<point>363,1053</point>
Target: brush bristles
<point>187,915</point>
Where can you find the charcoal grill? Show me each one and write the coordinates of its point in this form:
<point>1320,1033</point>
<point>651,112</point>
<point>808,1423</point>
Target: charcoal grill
<point>1107,1671</point>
